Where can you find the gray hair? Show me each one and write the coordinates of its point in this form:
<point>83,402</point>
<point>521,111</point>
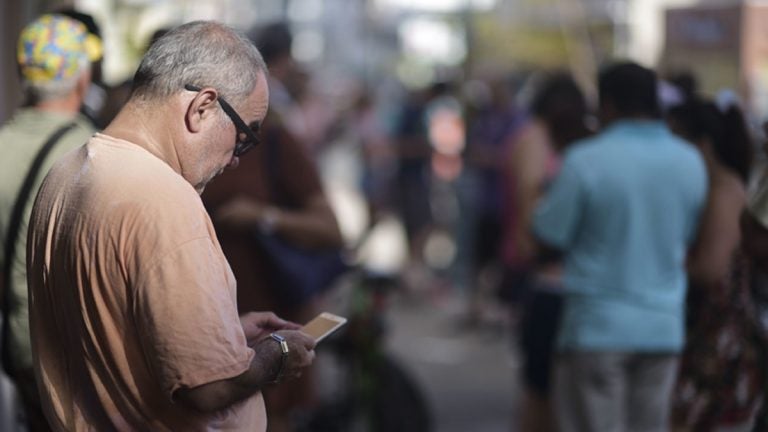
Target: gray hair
<point>200,53</point>
<point>37,92</point>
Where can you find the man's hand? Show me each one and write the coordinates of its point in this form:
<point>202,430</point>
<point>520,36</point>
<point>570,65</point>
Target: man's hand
<point>218,395</point>
<point>301,352</point>
<point>257,325</point>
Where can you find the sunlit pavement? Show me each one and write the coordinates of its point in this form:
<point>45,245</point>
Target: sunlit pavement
<point>468,374</point>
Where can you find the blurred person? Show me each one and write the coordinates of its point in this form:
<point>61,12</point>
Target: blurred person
<point>446,132</point>
<point>276,194</point>
<point>559,117</point>
<point>526,174</point>
<point>488,131</point>
<point>117,95</point>
<point>378,156</point>
<point>720,380</point>
<point>54,57</point>
<point>623,210</point>
<point>314,118</point>
<point>132,303</point>
<point>96,95</point>
<point>412,181</point>
<point>753,225</point>
<point>686,82</point>
<point>291,98</point>
<point>754,219</point>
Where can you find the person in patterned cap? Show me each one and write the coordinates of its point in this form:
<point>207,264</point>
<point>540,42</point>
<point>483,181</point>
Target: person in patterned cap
<point>54,58</point>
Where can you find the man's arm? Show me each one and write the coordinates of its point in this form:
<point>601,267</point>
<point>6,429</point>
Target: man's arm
<point>710,257</point>
<point>527,168</point>
<point>312,226</point>
<point>558,217</point>
<point>263,370</point>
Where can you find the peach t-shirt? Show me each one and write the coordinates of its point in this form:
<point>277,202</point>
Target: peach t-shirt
<point>131,297</point>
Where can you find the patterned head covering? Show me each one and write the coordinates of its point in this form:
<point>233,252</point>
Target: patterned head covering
<point>53,47</point>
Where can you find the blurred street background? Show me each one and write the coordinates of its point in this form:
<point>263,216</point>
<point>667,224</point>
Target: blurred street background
<point>419,201</point>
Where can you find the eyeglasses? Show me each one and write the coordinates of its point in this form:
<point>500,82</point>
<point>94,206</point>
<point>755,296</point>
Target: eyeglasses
<point>246,137</point>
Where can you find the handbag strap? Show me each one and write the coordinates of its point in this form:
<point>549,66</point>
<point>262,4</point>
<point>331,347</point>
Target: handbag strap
<point>17,214</point>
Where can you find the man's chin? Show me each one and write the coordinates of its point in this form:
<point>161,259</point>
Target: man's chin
<point>200,187</point>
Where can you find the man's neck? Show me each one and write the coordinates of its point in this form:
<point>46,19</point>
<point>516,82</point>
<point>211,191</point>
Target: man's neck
<point>147,131</point>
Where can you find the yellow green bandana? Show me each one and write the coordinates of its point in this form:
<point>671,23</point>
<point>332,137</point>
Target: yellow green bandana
<point>53,47</point>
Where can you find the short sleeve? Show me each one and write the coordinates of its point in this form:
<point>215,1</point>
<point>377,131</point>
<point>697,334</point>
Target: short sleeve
<point>558,215</point>
<point>187,320</point>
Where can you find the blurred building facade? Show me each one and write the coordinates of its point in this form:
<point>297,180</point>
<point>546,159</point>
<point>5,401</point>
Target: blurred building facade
<point>724,45</point>
<point>376,42</point>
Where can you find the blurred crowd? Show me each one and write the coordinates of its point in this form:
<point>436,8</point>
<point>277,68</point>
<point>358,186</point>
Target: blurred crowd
<point>621,236</point>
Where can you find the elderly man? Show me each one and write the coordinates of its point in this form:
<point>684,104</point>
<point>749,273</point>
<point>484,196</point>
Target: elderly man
<point>54,56</point>
<point>132,303</point>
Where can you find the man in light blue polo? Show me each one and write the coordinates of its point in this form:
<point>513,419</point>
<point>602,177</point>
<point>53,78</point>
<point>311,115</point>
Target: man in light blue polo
<point>623,211</point>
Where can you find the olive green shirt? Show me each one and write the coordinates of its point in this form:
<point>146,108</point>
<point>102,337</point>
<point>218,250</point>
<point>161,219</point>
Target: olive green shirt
<point>20,141</point>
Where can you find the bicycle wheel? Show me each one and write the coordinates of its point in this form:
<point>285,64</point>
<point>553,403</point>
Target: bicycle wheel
<point>398,403</point>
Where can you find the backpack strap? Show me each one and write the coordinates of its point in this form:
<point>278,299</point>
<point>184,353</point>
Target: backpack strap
<point>12,235</point>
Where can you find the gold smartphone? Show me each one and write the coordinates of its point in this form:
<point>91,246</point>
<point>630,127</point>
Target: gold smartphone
<point>323,325</point>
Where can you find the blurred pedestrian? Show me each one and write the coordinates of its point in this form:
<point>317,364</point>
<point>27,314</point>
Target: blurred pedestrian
<point>96,95</point>
<point>559,118</point>
<point>623,210</point>
<point>413,182</point>
<point>132,303</point>
<point>754,242</point>
<point>378,158</point>
<point>276,197</point>
<point>54,57</point>
<point>721,372</point>
<point>497,117</point>
<point>754,226</point>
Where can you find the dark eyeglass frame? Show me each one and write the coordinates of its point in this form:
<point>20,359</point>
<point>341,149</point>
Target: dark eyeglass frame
<point>251,141</point>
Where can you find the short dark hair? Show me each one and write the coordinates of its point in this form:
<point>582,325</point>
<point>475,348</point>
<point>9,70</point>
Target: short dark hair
<point>86,19</point>
<point>726,130</point>
<point>274,41</point>
<point>630,88</point>
<point>561,104</point>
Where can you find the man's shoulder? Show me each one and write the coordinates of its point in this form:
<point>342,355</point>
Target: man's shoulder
<point>686,157</point>
<point>30,128</point>
<point>118,184</point>
<point>584,150</point>
<point>127,173</point>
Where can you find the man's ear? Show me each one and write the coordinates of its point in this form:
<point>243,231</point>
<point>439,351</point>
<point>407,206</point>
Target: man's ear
<point>202,108</point>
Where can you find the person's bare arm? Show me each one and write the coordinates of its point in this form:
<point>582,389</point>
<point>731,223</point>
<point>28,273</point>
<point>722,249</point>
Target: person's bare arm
<point>718,237</point>
<point>528,167</point>
<point>312,226</point>
<point>263,370</point>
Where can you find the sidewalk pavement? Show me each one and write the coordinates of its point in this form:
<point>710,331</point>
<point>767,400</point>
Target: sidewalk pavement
<point>469,374</point>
